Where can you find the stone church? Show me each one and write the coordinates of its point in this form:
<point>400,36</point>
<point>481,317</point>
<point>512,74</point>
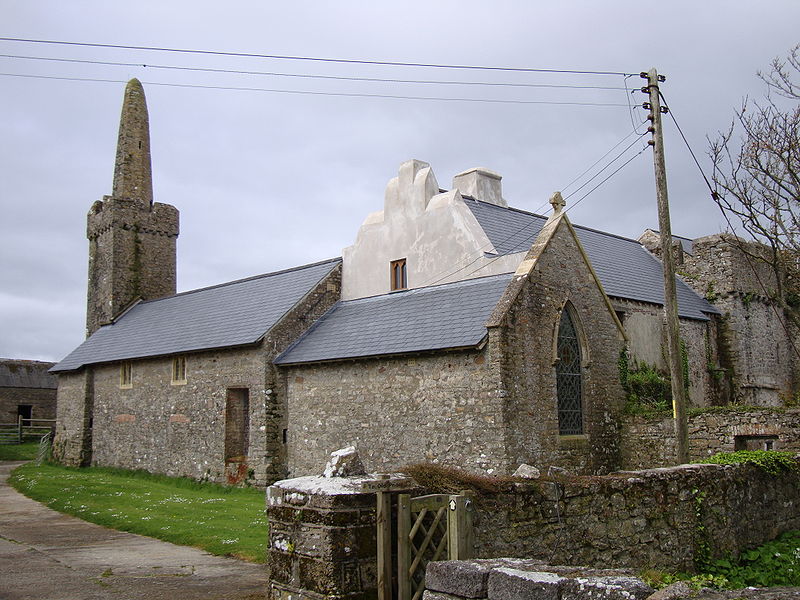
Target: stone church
<point>455,329</point>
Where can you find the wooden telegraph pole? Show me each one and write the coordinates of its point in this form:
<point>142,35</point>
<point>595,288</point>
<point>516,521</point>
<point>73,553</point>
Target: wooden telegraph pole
<point>670,297</point>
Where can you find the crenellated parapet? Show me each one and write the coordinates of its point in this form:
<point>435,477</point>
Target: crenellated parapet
<point>132,240</point>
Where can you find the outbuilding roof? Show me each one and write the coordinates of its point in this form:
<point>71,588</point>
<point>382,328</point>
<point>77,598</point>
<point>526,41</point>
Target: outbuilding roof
<point>15,373</point>
<point>449,316</point>
<point>625,268</point>
<point>232,314</point>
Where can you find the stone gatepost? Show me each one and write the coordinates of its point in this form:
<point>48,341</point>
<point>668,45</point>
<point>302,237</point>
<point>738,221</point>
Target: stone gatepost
<point>322,536</point>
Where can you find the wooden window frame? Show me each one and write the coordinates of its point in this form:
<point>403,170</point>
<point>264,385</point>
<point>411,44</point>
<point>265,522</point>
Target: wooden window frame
<point>126,375</point>
<point>179,370</point>
<point>398,275</point>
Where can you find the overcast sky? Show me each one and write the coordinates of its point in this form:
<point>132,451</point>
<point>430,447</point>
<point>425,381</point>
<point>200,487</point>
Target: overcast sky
<point>266,180</point>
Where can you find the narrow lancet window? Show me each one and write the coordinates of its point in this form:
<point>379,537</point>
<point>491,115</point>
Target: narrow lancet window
<point>568,378</point>
<point>398,274</point>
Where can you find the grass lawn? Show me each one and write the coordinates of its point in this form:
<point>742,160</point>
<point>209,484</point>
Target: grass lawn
<point>25,451</point>
<point>222,520</point>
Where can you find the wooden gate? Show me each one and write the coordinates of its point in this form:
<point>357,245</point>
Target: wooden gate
<point>429,528</point>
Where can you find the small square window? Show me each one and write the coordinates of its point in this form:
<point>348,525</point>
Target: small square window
<point>179,370</point>
<point>398,274</point>
<point>126,375</point>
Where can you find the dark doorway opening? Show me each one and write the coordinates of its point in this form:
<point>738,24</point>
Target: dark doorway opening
<point>25,412</point>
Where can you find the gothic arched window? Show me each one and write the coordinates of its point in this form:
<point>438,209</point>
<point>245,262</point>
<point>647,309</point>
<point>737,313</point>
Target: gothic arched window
<point>568,377</point>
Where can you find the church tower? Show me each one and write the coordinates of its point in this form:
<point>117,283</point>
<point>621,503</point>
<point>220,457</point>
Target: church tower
<point>132,239</point>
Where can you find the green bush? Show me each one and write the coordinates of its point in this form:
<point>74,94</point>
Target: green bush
<point>647,390</point>
<point>771,461</point>
<point>773,564</point>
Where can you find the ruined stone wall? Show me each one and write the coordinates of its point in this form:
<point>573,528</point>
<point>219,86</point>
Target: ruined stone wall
<point>72,444</point>
<point>651,442</point>
<point>179,430</point>
<point>43,402</point>
<point>444,407</point>
<point>528,343</point>
<point>756,334</point>
<point>647,344</point>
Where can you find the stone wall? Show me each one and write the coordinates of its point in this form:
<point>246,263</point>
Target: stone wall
<point>42,401</point>
<point>322,540</point>
<point>654,518</point>
<point>293,324</point>
<point>179,430</point>
<point>649,443</point>
<point>72,444</point>
<point>443,407</point>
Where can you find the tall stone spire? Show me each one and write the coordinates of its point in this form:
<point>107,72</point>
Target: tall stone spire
<point>132,240</point>
<point>133,178</point>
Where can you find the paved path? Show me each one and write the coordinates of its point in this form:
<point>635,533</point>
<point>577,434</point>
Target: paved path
<point>45,555</point>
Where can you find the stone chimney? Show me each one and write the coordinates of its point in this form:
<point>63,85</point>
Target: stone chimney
<point>482,184</point>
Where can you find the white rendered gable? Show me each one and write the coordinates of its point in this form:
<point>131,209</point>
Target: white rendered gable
<point>436,233</point>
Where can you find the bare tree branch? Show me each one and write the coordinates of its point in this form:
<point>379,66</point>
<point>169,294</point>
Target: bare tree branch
<point>756,175</point>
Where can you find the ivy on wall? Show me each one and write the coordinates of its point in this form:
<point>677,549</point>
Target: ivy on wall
<point>648,391</point>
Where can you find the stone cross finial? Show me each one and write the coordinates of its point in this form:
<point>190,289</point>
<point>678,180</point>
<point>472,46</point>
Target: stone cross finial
<point>557,202</point>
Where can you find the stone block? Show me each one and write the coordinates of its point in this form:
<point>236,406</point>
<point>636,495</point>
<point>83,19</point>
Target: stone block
<point>429,595</point>
<point>467,579</point>
<point>515,584</point>
<point>605,588</point>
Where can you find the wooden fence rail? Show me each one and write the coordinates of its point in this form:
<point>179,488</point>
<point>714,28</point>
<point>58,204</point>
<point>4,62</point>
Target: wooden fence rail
<point>16,433</point>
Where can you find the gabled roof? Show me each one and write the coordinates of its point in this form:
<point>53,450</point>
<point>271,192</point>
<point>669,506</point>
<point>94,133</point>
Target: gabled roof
<point>440,317</point>
<point>232,314</point>
<point>16,373</point>
<point>625,268</point>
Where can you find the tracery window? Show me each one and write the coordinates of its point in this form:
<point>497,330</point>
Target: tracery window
<point>568,377</point>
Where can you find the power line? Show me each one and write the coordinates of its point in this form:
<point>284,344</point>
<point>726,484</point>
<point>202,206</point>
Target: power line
<point>595,164</point>
<point>310,76</point>
<point>317,93</point>
<point>622,166</point>
<point>313,59</point>
<point>611,162</point>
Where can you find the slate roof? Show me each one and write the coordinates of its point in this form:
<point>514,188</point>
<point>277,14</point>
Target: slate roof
<point>232,314</point>
<point>452,315</point>
<point>624,267</point>
<point>16,373</point>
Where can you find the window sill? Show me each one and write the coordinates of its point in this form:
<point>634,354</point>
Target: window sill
<point>573,440</point>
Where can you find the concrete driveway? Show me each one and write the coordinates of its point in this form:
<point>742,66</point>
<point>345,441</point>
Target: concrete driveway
<point>47,555</point>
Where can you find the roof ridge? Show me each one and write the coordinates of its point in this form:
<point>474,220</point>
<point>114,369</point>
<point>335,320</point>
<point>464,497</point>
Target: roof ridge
<point>533,214</point>
<point>411,291</point>
<point>25,361</point>
<point>244,279</point>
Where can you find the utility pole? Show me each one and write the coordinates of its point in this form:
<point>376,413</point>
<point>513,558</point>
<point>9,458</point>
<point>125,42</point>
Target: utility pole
<point>670,296</point>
